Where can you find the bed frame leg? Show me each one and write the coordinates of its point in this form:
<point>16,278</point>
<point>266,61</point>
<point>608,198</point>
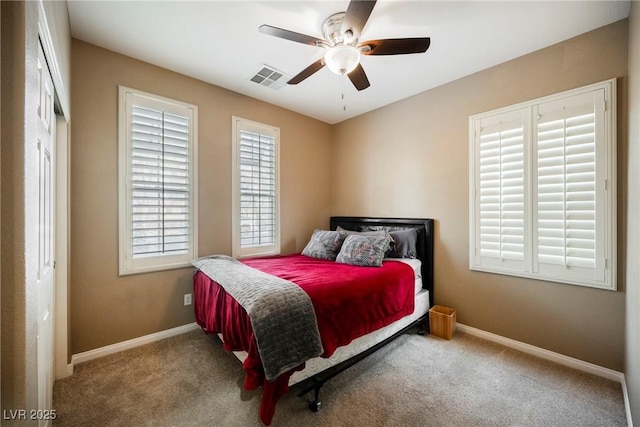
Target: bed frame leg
<point>316,386</point>
<point>423,327</point>
<point>316,404</point>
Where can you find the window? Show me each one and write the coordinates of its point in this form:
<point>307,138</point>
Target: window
<point>158,211</point>
<point>256,222</point>
<point>542,188</point>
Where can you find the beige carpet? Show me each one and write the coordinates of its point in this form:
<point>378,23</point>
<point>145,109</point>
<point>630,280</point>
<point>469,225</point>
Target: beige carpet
<point>189,380</point>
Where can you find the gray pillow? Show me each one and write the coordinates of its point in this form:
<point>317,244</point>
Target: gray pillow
<point>405,242</point>
<point>363,250</point>
<point>324,244</point>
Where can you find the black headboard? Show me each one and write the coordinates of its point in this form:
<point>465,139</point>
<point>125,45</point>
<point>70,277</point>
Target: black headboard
<point>424,245</point>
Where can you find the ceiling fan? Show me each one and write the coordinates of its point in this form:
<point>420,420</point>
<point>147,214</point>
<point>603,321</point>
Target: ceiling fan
<point>341,33</point>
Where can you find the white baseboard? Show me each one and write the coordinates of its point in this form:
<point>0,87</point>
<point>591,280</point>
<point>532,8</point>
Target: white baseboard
<point>126,345</point>
<point>555,357</point>
<point>627,404</point>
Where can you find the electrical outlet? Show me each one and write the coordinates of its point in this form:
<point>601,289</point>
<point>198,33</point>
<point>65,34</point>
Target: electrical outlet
<point>187,299</point>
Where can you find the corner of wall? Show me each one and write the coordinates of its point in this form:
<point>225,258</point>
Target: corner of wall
<point>632,321</point>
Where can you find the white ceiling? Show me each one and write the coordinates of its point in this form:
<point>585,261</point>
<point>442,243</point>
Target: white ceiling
<point>218,42</point>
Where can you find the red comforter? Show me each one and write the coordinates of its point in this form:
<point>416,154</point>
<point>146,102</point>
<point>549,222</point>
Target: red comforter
<point>349,302</point>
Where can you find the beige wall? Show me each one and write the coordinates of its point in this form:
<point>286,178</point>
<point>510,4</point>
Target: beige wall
<point>410,159</point>
<point>632,348</point>
<point>107,309</point>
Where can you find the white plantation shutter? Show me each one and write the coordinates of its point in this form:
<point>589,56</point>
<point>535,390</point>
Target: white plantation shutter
<point>160,183</point>
<point>500,190</point>
<point>255,213</point>
<point>257,190</point>
<point>542,188</point>
<point>157,183</point>
<point>568,215</point>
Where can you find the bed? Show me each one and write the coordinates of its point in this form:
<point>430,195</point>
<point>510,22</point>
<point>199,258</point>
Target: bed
<point>353,317</point>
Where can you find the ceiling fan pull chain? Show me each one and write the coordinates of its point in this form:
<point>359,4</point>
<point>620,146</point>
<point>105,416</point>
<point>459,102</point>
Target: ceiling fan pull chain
<point>344,103</point>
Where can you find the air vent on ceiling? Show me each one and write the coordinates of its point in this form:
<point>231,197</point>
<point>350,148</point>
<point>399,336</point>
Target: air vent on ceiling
<point>270,77</point>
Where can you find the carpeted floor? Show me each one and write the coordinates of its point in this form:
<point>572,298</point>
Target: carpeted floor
<point>189,380</point>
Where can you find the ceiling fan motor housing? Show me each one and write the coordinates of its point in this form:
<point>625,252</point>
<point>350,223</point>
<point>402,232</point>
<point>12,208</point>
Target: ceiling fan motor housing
<point>332,31</point>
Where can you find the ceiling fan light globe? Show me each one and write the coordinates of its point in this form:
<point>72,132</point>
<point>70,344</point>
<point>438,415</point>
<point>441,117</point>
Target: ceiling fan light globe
<point>342,59</point>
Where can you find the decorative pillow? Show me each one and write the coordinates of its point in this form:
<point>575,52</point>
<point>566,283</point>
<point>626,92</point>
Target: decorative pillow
<point>365,232</point>
<point>363,250</point>
<point>324,244</point>
<point>405,242</point>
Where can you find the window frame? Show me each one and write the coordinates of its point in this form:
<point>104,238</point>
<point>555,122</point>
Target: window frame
<point>128,264</point>
<point>239,125</point>
<point>605,191</point>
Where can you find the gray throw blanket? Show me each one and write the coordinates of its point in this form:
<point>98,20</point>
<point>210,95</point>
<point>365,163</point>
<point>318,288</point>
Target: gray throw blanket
<point>282,316</point>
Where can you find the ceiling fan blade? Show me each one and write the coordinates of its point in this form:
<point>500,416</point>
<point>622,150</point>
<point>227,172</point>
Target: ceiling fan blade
<point>289,35</point>
<point>316,66</point>
<point>359,78</point>
<point>356,16</point>
<point>395,46</point>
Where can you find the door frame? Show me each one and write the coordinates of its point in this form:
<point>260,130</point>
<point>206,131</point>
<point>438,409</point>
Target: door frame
<point>62,363</point>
